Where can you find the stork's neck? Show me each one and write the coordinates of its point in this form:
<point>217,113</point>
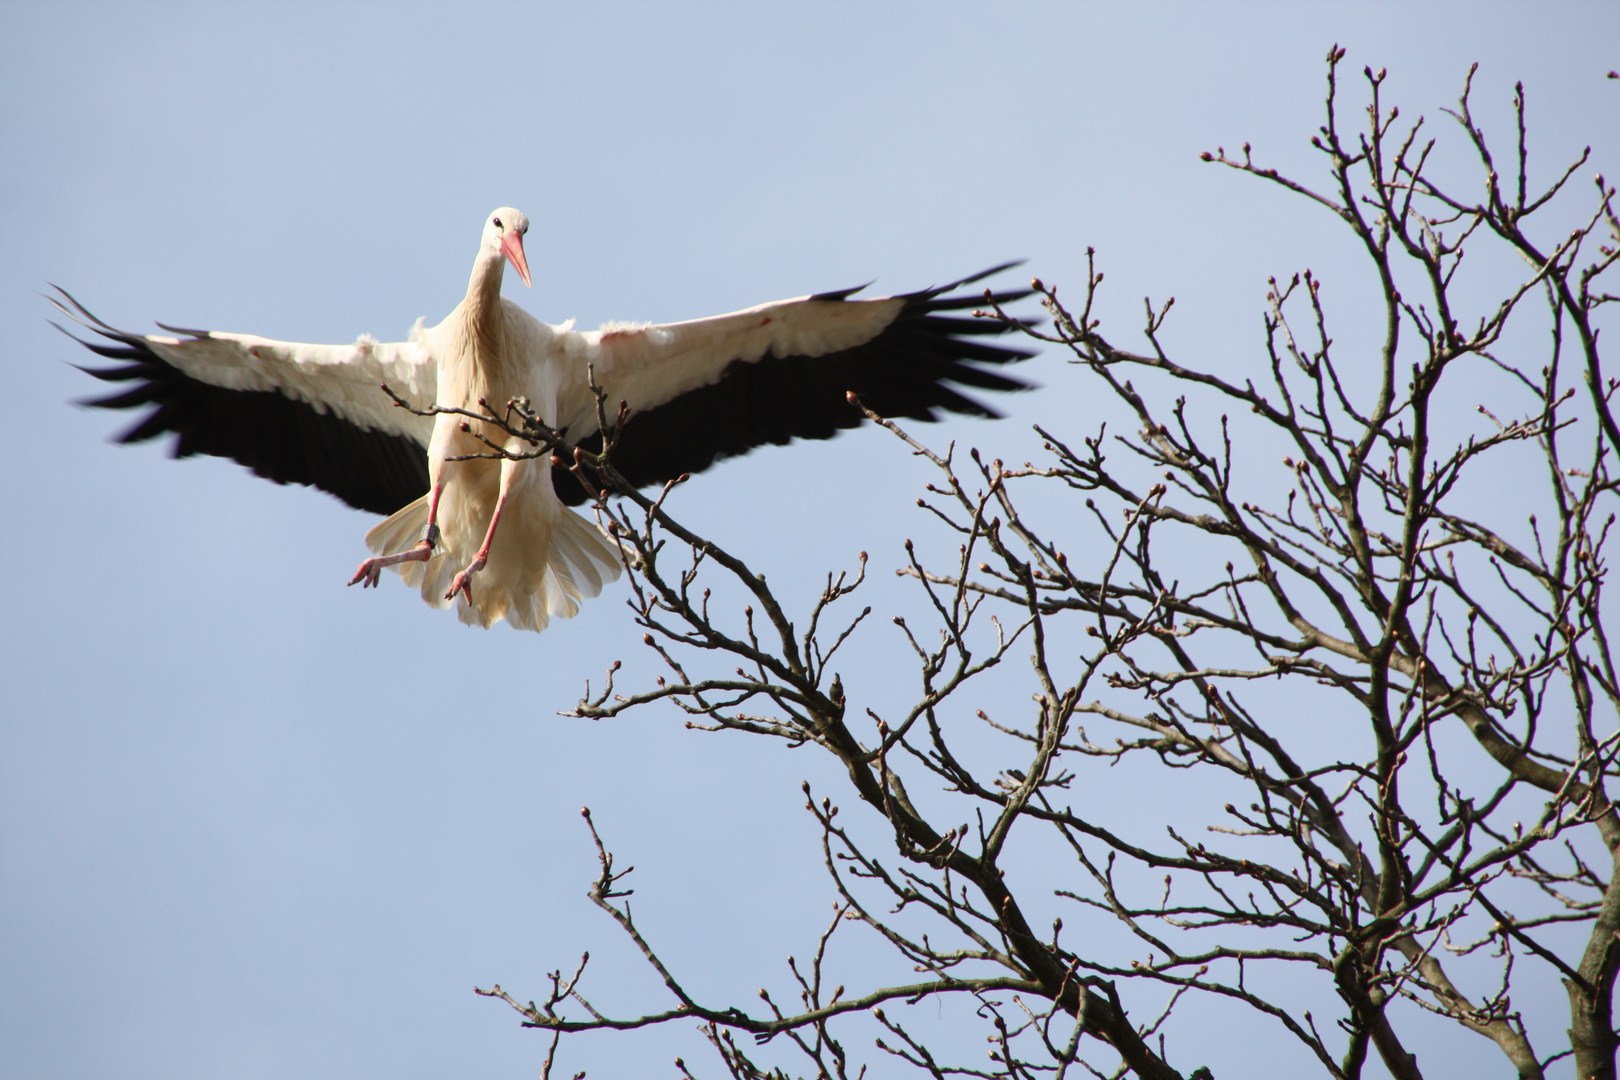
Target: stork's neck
<point>482,308</point>
<point>484,287</point>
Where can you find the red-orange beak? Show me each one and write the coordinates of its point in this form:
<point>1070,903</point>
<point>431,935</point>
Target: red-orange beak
<point>512,245</point>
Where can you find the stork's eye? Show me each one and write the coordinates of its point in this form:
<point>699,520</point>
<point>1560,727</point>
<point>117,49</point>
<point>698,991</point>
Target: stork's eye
<point>498,224</point>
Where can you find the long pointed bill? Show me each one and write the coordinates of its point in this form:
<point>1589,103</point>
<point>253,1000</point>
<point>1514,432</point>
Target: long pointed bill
<point>512,245</point>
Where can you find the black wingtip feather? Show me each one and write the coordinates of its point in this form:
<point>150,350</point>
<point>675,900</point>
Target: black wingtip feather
<point>199,334</point>
<point>118,374</point>
<point>978,300</point>
<point>840,294</point>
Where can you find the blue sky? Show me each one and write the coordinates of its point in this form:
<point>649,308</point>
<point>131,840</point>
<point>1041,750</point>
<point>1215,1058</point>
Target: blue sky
<point>255,824</point>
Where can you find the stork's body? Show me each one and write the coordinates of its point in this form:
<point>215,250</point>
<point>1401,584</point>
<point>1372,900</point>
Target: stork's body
<point>496,535</point>
<point>545,559</point>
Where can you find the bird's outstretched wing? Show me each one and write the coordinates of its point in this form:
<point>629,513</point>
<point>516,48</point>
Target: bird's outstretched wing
<point>293,413</point>
<point>714,388</point>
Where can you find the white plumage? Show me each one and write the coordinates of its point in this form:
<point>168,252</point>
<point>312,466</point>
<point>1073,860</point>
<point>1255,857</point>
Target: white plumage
<point>506,544</point>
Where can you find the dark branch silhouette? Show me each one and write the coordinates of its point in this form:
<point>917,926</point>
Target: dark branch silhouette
<point>1375,590</point>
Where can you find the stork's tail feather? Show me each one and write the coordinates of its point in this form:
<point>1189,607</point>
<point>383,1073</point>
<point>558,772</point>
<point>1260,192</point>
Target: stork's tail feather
<point>567,559</point>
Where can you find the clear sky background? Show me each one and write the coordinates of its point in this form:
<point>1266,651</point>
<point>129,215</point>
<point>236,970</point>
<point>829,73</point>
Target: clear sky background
<point>256,824</point>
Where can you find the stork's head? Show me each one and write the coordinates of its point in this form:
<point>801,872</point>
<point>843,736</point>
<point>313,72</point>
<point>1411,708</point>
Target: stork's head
<point>503,233</point>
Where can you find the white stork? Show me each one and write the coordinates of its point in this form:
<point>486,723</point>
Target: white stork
<point>696,391</point>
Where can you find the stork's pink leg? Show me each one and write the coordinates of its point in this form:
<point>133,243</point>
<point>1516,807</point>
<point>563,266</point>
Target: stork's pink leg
<point>463,582</point>
<point>371,570</point>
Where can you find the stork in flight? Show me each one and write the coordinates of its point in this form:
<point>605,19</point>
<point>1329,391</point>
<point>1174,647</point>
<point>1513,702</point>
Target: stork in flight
<point>496,536</point>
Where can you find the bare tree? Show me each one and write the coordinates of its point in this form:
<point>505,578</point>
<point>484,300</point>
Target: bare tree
<point>1216,624</point>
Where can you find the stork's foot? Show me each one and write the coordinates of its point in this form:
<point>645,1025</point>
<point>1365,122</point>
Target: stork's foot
<point>463,582</point>
<point>370,572</point>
